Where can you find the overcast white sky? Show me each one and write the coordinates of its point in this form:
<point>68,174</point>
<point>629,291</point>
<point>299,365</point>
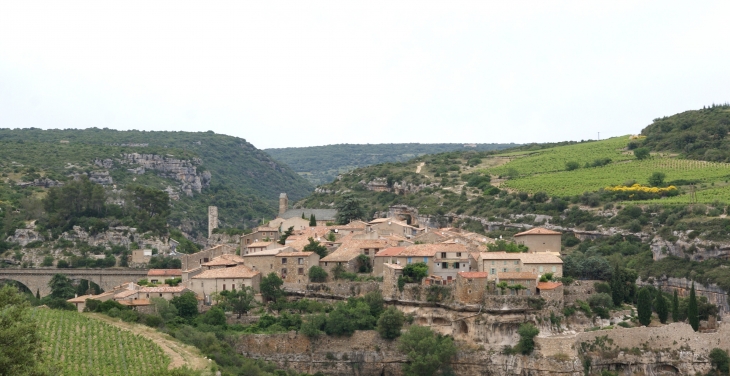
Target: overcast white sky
<point>310,73</point>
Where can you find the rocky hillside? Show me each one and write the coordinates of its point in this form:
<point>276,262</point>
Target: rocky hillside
<point>195,169</point>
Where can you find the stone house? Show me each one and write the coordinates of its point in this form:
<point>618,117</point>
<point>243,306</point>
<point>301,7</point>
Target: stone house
<point>350,248</point>
<point>391,226</point>
<point>265,261</point>
<point>260,246</point>
<point>498,262</point>
<point>260,234</point>
<point>540,239</point>
<point>216,280</point>
<point>345,257</point>
<point>385,257</point>
<point>164,292</point>
<point>503,262</point>
<point>160,275</point>
<point>141,256</point>
<point>526,279</point>
<point>293,267</point>
<point>541,263</point>
<point>551,291</point>
<point>223,261</point>
<point>444,260</point>
<point>470,287</point>
<point>195,260</point>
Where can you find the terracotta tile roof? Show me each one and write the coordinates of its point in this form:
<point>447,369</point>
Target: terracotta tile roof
<point>474,255</point>
<point>125,294</point>
<point>473,275</point>
<point>430,250</point>
<point>224,260</point>
<point>164,273</point>
<point>548,285</point>
<point>392,251</point>
<point>500,256</point>
<point>260,244</point>
<point>268,252</point>
<point>80,299</point>
<point>517,275</point>
<point>176,289</point>
<point>394,266</point>
<point>295,254</point>
<point>380,220</point>
<point>240,271</point>
<point>538,231</point>
<point>298,244</point>
<point>341,255</point>
<point>540,258</point>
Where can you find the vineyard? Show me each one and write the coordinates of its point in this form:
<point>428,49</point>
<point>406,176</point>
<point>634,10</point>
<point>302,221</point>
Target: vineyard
<point>84,346</point>
<point>554,159</point>
<point>577,182</point>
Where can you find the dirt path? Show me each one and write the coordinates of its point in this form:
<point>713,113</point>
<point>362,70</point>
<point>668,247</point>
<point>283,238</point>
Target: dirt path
<point>418,169</point>
<point>180,354</point>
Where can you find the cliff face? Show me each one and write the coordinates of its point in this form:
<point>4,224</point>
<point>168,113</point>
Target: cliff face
<point>713,292</point>
<point>183,171</point>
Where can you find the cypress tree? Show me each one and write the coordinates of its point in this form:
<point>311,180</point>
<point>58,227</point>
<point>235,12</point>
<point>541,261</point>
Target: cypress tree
<point>692,312</point>
<point>675,307</point>
<point>644,306</point>
<point>617,289</point>
<point>662,310</point>
<point>38,294</point>
<point>312,221</point>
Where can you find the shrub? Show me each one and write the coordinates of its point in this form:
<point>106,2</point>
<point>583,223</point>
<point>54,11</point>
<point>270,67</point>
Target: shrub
<point>527,333</point>
<point>317,274</point>
<point>390,323</point>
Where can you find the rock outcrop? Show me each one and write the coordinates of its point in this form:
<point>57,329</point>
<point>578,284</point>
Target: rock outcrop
<point>184,171</point>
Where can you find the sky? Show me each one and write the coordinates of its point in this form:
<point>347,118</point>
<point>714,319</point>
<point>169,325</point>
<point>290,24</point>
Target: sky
<point>306,73</point>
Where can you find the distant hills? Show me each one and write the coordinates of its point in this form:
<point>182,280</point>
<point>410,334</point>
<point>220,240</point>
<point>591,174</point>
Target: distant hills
<point>322,164</point>
<point>228,172</point>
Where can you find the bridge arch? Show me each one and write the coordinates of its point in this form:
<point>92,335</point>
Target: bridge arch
<point>107,279</point>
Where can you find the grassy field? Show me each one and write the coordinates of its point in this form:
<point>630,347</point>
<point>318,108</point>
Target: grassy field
<point>84,346</point>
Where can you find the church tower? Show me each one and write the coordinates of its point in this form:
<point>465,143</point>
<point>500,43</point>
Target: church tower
<point>283,203</point>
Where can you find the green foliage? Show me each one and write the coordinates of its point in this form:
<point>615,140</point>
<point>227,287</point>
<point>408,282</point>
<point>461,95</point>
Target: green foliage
<point>720,361</point>
<point>312,221</point>
<point>428,353</point>
<point>692,310</point>
<point>641,153</point>
<point>316,247</point>
<point>239,301</point>
<point>348,317</point>
<point>657,179</point>
<point>527,333</point>
<point>322,164</point>
<point>349,209</point>
<point>643,306</point>
<point>186,304</point>
<point>363,264</point>
<point>675,307</point>
<point>47,261</point>
<point>390,323</point>
<point>164,262</point>
<point>288,233</point>
<point>415,272</point>
<point>662,307</point>
<point>623,285</point>
<point>317,274</point>
<point>61,287</point>
<point>500,245</point>
<point>20,341</point>
<point>271,287</point>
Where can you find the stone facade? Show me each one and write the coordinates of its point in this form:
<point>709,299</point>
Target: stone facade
<point>293,267</point>
<point>212,219</point>
<point>193,261</point>
<point>471,286</point>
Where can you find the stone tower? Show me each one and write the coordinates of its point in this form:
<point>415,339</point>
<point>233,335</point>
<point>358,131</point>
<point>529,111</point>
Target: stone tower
<point>212,219</point>
<point>283,203</point>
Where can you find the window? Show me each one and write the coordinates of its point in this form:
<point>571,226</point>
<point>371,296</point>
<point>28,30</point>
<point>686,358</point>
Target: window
<point>505,262</point>
<point>233,286</point>
<point>283,272</point>
<point>325,263</point>
<point>444,265</point>
<point>425,260</point>
<point>458,254</point>
<point>555,269</point>
<point>410,260</point>
<point>540,269</point>
<point>443,254</point>
<point>160,295</point>
<point>205,259</point>
<point>492,262</point>
<point>504,270</point>
<point>300,261</point>
<point>201,284</point>
<point>300,271</point>
<point>148,295</point>
<point>517,262</point>
<point>493,271</point>
<point>366,252</point>
<point>224,287</point>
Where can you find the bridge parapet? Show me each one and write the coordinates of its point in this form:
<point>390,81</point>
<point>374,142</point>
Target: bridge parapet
<point>38,279</point>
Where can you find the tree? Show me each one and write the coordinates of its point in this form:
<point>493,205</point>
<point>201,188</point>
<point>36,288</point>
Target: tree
<point>428,353</point>
<point>720,361</point>
<point>164,308</point>
<point>527,334</point>
<point>349,209</point>
<point>363,264</point>
<point>186,304</point>
<point>287,233</point>
<point>47,261</point>
<point>415,272</point>
<point>657,179</point>
<point>312,221</point>
<point>692,311</point>
<point>643,306</point>
<point>661,307</point>
<point>271,287</point>
<point>61,287</point>
<point>316,247</point>
<point>38,294</point>
<point>570,166</point>
<point>20,342</point>
<point>641,153</point>
<point>390,323</point>
<point>215,316</point>
<point>675,307</point>
<point>239,301</point>
<point>317,274</point>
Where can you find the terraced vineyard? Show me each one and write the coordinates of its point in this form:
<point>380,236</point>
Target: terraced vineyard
<point>576,182</point>
<point>85,346</point>
<point>554,159</point>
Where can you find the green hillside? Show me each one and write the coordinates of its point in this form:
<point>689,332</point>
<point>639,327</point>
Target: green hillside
<point>244,181</point>
<point>322,164</point>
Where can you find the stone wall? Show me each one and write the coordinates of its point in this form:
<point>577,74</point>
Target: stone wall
<point>579,290</point>
<point>338,289</point>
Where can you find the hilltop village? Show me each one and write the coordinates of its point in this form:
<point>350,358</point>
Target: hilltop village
<point>477,290</point>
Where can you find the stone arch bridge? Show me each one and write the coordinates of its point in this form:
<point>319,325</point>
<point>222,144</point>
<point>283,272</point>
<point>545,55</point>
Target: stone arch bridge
<point>37,279</point>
